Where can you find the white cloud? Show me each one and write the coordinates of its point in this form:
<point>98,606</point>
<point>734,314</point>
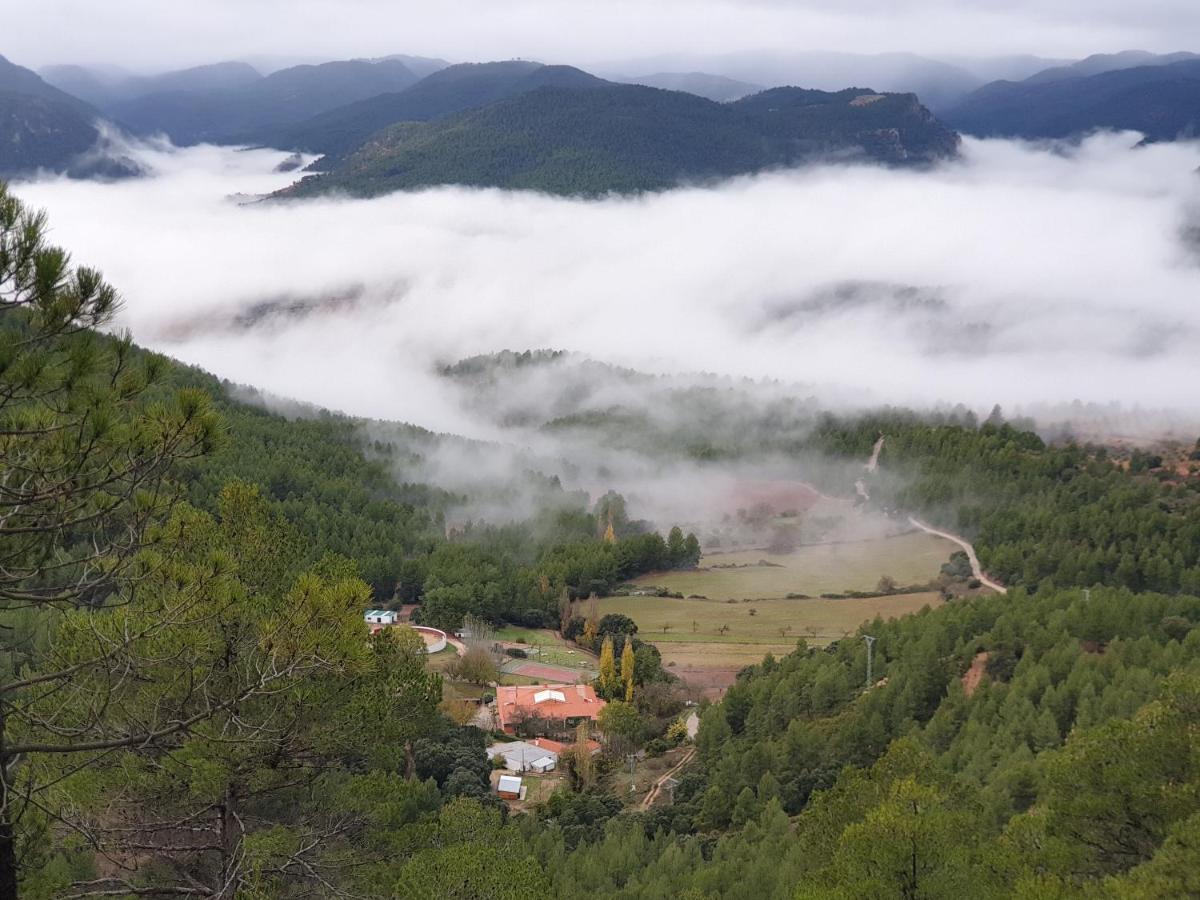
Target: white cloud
<point>1020,275</point>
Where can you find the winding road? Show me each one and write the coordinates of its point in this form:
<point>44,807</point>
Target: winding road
<point>871,466</point>
<point>976,569</point>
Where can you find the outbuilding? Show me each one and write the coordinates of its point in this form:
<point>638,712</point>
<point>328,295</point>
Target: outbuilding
<point>509,787</point>
<point>524,756</point>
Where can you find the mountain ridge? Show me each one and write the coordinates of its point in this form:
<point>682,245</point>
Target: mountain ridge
<point>631,138</point>
<point>1162,101</point>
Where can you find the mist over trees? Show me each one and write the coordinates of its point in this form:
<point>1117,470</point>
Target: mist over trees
<point>190,704</point>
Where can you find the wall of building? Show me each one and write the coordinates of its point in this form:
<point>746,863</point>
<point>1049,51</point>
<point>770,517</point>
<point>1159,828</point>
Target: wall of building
<point>438,643</point>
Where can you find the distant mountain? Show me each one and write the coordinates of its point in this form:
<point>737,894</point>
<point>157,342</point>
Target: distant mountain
<point>421,66</point>
<point>19,80</point>
<point>1003,68</point>
<point>629,138</point>
<point>937,83</point>
<point>104,86</point>
<point>1162,101</point>
<point>703,84</point>
<point>40,133</point>
<point>1100,63</point>
<point>445,92</point>
<point>95,84</point>
<point>41,127</point>
<point>202,105</point>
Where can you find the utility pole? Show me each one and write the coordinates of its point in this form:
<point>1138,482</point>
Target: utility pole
<point>870,639</point>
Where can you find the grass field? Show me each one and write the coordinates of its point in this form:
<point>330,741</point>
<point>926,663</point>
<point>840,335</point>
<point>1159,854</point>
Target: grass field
<point>910,558</point>
<point>694,647</point>
<point>545,646</point>
<point>766,623</point>
<point>440,660</point>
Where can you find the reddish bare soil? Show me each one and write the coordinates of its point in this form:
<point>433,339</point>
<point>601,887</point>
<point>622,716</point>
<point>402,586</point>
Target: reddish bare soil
<point>974,675</point>
<point>550,673</point>
<point>708,681</point>
<point>780,496</point>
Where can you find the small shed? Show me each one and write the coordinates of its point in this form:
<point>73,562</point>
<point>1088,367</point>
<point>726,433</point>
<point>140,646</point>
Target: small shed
<point>381,617</point>
<point>509,787</point>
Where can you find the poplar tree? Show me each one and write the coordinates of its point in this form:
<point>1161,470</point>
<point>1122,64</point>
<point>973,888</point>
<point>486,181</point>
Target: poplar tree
<point>628,661</point>
<point>607,681</point>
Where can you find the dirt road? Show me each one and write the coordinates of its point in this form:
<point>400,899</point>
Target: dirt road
<point>976,569</point>
<point>870,467</point>
<point>656,788</point>
<point>873,462</point>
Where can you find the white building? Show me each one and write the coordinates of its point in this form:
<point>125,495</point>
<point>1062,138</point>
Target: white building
<point>520,756</point>
<point>381,617</point>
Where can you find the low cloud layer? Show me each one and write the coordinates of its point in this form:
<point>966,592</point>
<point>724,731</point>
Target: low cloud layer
<point>1022,275</point>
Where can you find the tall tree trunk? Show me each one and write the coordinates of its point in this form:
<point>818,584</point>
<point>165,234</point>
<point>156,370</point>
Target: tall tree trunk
<point>229,840</point>
<point>8,839</point>
<point>8,859</point>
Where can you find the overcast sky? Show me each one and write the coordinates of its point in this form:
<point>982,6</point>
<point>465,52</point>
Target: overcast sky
<point>169,33</point>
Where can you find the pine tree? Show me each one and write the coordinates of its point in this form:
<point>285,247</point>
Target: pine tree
<point>746,807</point>
<point>676,547</point>
<point>89,440</point>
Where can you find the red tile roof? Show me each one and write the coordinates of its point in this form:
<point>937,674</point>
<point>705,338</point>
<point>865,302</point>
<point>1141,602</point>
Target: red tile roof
<point>559,747</point>
<point>546,701</point>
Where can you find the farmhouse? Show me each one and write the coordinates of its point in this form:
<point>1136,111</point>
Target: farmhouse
<point>558,706</point>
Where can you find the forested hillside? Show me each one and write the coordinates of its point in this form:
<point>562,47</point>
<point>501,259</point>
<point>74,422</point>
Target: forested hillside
<point>189,704</point>
<point>1158,100</point>
<point>632,138</point>
<point>40,126</point>
<point>1013,746</point>
<point>445,92</point>
<point>192,110</point>
<point>1040,516</point>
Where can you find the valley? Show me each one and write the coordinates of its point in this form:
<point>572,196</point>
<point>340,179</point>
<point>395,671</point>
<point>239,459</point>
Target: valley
<point>600,451</point>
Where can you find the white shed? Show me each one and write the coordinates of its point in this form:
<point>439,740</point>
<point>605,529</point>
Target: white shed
<point>381,617</point>
<point>509,787</point>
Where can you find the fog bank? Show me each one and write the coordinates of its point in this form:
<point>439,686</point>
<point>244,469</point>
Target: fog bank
<point>1021,275</point>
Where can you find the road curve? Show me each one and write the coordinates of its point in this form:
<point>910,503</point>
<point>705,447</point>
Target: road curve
<point>976,569</point>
